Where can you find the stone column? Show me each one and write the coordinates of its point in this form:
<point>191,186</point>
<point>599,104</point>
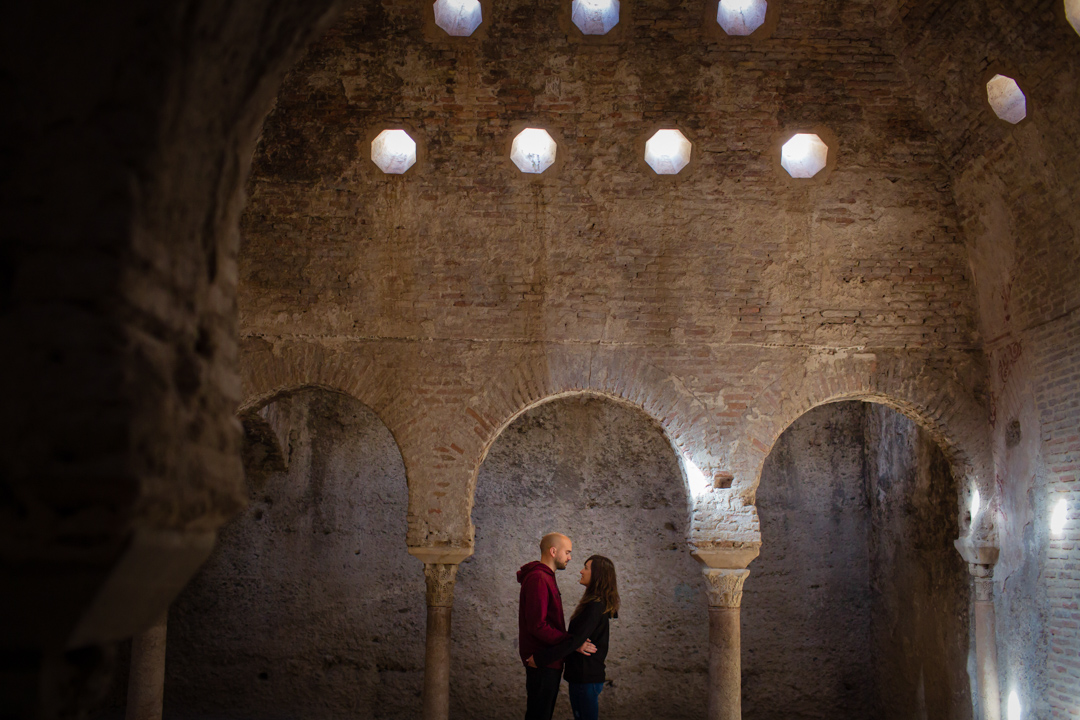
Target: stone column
<point>146,681</point>
<point>986,666</point>
<point>724,587</point>
<point>981,558</point>
<point>440,600</point>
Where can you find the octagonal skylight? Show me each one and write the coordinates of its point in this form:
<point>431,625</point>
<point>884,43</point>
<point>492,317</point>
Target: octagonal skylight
<point>804,155</point>
<point>741,17</point>
<point>595,17</point>
<point>393,151</point>
<point>667,152</point>
<point>1006,98</point>
<point>459,18</point>
<point>533,150</point>
<point>1072,13</point>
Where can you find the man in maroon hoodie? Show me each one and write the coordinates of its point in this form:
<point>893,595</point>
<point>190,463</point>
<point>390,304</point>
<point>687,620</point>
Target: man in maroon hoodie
<point>541,623</point>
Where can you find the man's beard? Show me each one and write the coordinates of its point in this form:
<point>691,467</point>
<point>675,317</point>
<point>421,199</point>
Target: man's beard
<point>560,565</point>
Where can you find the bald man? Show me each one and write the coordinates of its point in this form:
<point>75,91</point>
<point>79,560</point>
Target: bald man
<point>541,623</point>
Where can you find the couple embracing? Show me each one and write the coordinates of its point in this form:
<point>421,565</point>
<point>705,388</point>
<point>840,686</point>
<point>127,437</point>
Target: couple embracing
<point>545,645</point>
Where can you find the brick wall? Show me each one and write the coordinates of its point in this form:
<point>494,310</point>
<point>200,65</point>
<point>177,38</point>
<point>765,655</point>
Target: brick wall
<point>479,291</point>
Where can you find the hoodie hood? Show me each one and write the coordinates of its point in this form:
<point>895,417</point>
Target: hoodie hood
<point>531,568</point>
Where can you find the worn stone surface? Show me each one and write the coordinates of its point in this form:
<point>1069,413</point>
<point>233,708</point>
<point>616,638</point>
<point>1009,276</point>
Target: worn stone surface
<point>311,603</point>
<point>858,604</point>
<point>604,474</point>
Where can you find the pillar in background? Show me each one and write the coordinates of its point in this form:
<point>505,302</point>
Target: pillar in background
<point>440,600</point>
<point>146,682</point>
<point>981,559</point>
<point>724,587</point>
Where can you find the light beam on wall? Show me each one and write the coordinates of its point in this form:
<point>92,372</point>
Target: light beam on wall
<point>695,479</point>
<point>1058,518</point>
<point>1015,711</point>
<point>976,502</point>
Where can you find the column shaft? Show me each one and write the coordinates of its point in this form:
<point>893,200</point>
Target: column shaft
<point>986,649</point>
<point>725,664</point>
<point>437,665</point>
<point>146,681</point>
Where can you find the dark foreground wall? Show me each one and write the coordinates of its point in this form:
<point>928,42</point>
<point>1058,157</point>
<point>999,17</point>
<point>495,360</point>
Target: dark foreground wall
<point>604,474</point>
<point>858,604</point>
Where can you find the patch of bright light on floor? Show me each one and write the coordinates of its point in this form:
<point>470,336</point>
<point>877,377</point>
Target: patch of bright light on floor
<point>459,18</point>
<point>393,151</point>
<point>667,152</point>
<point>804,155</point>
<point>741,17</point>
<point>1006,98</point>
<point>595,17</point>
<point>533,151</point>
<point>1072,13</point>
<point>1014,706</point>
<point>698,483</point>
<point>1058,517</point>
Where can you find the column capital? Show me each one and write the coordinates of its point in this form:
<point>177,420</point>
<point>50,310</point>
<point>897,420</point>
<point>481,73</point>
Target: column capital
<point>724,586</point>
<point>440,579</point>
<point>980,557</point>
<point>439,555</point>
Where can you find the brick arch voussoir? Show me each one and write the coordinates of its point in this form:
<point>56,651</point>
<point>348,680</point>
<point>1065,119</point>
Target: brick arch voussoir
<point>268,375</point>
<point>564,372</point>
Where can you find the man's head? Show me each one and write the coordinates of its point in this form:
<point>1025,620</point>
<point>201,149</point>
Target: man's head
<point>555,551</point>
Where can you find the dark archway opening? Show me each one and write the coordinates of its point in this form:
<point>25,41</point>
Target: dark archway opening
<point>858,604</point>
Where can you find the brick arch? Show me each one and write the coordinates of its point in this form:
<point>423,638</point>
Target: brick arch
<point>270,373</point>
<point>929,395</point>
<point>624,378</point>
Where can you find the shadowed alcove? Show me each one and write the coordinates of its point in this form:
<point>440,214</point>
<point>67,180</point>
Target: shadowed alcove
<point>858,604</point>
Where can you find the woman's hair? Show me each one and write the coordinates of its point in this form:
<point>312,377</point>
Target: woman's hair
<point>602,586</point>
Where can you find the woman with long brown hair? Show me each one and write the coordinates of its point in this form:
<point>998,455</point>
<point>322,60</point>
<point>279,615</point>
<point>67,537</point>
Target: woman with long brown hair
<point>585,673</point>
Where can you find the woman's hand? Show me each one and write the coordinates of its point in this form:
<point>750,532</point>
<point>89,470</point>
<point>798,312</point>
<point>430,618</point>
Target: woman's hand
<point>587,648</point>
<point>530,662</point>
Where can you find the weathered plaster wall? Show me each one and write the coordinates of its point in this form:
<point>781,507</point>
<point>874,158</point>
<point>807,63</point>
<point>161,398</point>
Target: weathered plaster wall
<point>126,143</point>
<point>310,604</point>
<point>603,473</point>
<point>919,585</point>
<point>807,603</point>
<point>858,603</point>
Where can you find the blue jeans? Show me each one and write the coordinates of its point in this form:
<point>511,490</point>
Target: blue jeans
<point>584,700</point>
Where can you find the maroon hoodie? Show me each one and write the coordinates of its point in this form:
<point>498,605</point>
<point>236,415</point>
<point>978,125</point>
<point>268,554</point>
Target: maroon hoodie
<point>540,613</point>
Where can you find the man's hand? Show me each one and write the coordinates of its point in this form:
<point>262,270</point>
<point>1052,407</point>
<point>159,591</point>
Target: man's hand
<point>587,648</point>
<point>530,662</point>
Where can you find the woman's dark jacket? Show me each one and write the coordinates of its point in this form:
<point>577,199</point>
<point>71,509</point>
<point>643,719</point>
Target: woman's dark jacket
<point>589,624</point>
